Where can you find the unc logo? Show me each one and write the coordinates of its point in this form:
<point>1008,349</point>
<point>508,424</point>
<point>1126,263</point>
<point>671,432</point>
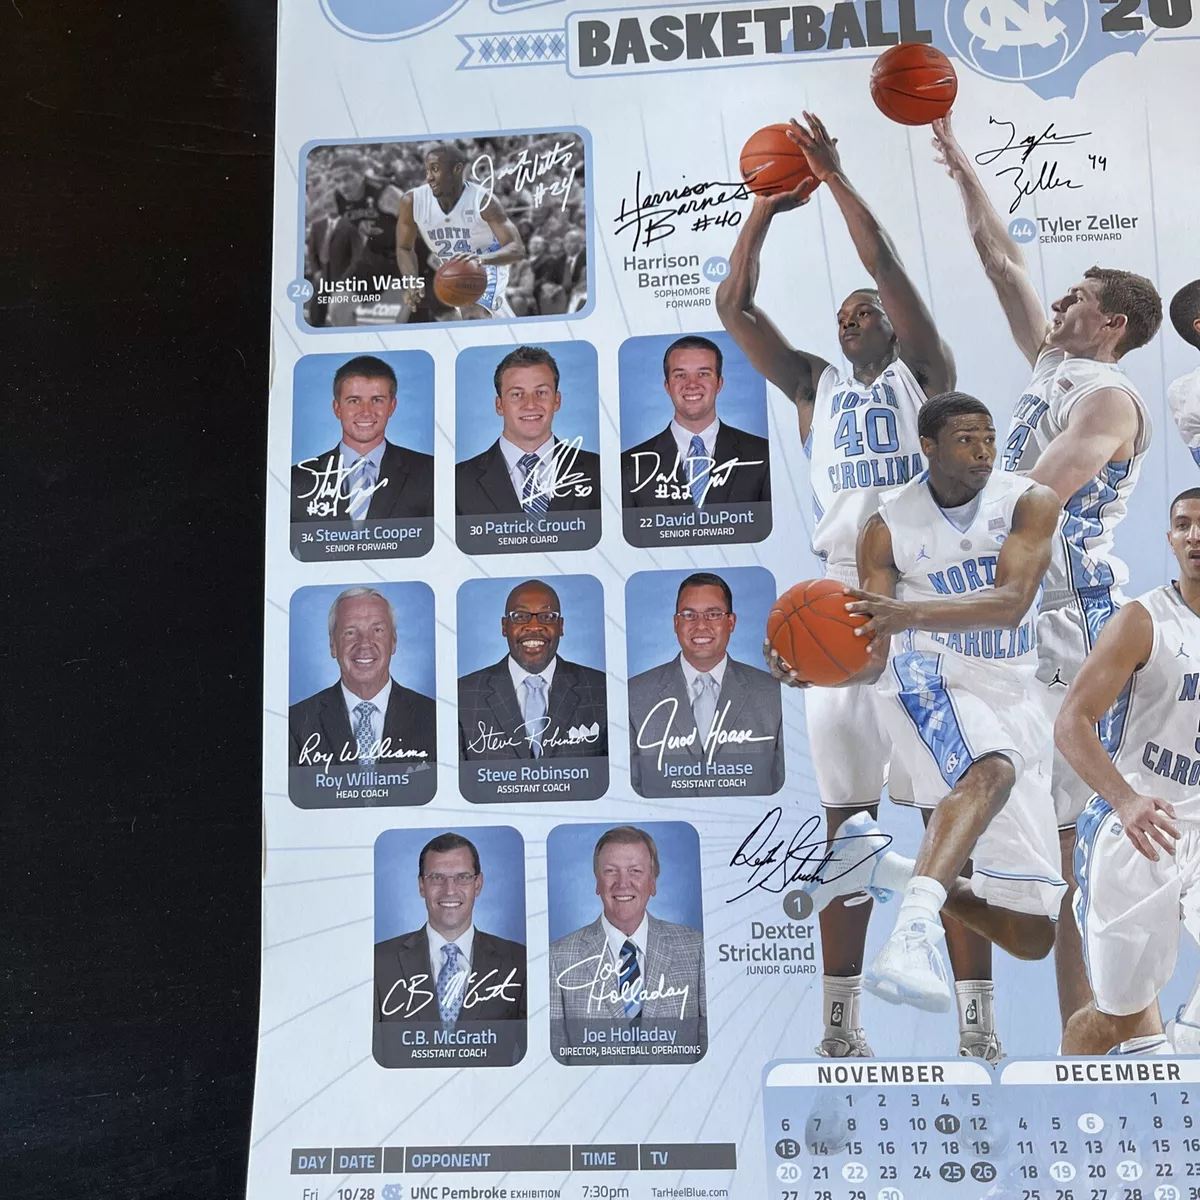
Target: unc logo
<point>1022,230</point>
<point>1018,40</point>
<point>951,761</point>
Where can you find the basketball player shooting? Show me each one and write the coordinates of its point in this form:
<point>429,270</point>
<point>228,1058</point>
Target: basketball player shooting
<point>859,427</point>
<point>1137,860</point>
<point>1082,429</point>
<point>952,567</point>
<point>459,222</point>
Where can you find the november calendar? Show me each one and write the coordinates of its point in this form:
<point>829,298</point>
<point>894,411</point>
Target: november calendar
<point>731,693</point>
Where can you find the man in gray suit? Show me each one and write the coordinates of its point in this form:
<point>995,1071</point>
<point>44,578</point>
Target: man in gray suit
<point>705,722</point>
<point>628,979</point>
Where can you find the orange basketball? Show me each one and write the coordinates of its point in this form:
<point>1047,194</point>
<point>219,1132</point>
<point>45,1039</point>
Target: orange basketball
<point>772,163</point>
<point>810,629</point>
<point>459,283</point>
<point>913,84</point>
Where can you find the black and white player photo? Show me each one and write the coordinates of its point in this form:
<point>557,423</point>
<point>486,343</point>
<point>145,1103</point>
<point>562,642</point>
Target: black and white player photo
<point>695,459</point>
<point>362,453</point>
<point>492,227</point>
<point>527,430</point>
<point>704,717</point>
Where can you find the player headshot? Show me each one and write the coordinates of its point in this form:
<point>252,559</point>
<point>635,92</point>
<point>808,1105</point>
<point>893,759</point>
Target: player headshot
<point>532,703</point>
<point>627,966</point>
<point>952,564</point>
<point>527,468</point>
<point>1136,858</point>
<point>857,422</point>
<point>449,970</point>
<point>366,717</point>
<point>458,221</point>
<point>1081,429</point>
<point>697,460</point>
<point>1183,394</point>
<point>704,707</point>
<point>364,476</point>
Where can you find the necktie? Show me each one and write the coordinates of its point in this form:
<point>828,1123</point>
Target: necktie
<point>364,735</point>
<point>535,711</point>
<point>698,468</point>
<point>534,499</point>
<point>450,984</point>
<point>358,489</point>
<point>630,980</point>
<point>704,702</point>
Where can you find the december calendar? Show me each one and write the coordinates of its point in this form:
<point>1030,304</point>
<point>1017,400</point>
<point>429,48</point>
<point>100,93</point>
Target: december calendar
<point>732,620</point>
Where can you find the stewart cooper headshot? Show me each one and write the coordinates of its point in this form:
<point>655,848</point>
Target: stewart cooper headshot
<point>532,703</point>
<point>365,717</point>
<point>697,459</point>
<point>704,719</point>
<point>364,476</point>
<point>527,469</point>
<point>449,971</point>
<point>628,978</point>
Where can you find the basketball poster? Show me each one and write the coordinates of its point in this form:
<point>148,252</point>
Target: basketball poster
<point>732,676</point>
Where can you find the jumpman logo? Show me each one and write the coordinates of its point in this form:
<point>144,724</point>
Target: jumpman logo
<point>1181,652</point>
<point>922,553</point>
<point>1057,678</point>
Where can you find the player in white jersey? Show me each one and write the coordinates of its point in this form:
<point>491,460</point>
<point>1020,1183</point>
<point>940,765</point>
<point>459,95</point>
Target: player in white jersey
<point>858,427</point>
<point>1081,429</point>
<point>1183,394</point>
<point>1138,852</point>
<point>457,219</point>
<point>952,567</point>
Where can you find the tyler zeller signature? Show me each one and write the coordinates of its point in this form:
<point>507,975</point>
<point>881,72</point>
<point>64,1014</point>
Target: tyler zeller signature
<point>777,862</point>
<point>1022,175</point>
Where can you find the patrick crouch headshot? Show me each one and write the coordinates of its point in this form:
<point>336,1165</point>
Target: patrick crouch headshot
<point>699,462</point>
<point>705,720</point>
<point>627,982</point>
<point>364,476</point>
<point>366,717</point>
<point>450,972</point>
<point>528,471</point>
<point>532,704</point>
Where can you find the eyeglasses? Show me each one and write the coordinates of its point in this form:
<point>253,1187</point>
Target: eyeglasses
<point>522,616</point>
<point>709,614</point>
<point>462,878</point>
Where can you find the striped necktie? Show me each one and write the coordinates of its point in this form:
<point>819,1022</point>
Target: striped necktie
<point>358,489</point>
<point>699,466</point>
<point>450,985</point>
<point>630,979</point>
<point>534,499</point>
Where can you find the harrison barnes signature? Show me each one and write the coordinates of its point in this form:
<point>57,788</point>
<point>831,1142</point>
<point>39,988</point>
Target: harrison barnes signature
<point>776,864</point>
<point>650,216</point>
<point>1047,178</point>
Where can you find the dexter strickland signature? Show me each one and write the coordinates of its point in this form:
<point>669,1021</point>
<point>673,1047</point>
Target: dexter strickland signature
<point>777,862</point>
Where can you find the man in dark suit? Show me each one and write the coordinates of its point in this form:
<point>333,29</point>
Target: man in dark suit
<point>628,967</point>
<point>727,712</point>
<point>448,970</point>
<point>365,476</point>
<point>527,469</point>
<point>697,460</point>
<point>366,717</point>
<point>532,704</point>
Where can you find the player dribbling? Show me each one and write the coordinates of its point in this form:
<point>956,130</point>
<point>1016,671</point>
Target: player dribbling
<point>457,219</point>
<point>952,566</point>
<point>1138,851</point>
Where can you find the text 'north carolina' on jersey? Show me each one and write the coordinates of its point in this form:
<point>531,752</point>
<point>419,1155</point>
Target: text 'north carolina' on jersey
<point>937,560</point>
<point>1159,747</point>
<point>462,230</point>
<point>1083,552</point>
<point>862,441</point>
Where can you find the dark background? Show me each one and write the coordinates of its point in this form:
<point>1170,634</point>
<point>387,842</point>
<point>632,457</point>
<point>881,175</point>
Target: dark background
<point>135,185</point>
